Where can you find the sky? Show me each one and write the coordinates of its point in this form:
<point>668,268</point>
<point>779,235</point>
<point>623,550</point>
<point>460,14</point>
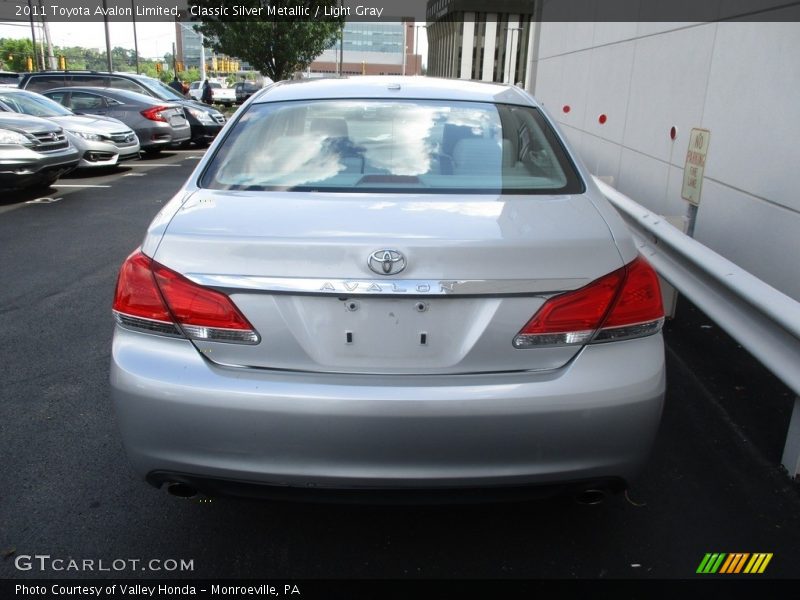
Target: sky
<point>155,38</point>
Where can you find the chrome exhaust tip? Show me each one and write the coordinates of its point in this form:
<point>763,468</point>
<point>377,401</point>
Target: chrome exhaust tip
<point>590,497</point>
<point>181,490</point>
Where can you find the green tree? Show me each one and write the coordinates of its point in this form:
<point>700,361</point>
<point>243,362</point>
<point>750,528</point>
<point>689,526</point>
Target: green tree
<point>14,54</point>
<point>278,47</point>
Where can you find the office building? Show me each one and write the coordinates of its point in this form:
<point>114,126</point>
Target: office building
<point>475,39</point>
<point>371,49</point>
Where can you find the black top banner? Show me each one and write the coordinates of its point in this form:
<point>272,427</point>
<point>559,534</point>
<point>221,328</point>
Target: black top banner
<point>398,10</point>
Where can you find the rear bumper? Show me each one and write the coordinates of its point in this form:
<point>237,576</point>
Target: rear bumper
<point>159,135</point>
<point>594,419</point>
<point>205,131</point>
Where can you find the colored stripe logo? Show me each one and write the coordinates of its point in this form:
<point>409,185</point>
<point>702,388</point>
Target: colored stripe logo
<point>734,563</point>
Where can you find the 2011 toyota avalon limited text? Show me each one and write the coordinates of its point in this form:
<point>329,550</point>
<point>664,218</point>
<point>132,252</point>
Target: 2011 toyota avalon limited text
<point>388,284</point>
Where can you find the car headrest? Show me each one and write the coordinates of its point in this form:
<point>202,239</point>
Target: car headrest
<point>329,126</point>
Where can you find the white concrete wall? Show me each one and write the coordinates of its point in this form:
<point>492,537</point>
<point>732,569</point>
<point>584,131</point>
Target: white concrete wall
<point>739,80</point>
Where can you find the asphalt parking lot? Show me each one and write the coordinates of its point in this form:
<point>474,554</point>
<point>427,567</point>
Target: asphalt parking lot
<point>712,485</point>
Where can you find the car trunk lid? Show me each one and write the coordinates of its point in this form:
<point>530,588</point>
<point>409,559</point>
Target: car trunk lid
<point>476,269</point>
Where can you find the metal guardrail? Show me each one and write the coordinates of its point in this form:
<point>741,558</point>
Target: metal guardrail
<point>762,319</point>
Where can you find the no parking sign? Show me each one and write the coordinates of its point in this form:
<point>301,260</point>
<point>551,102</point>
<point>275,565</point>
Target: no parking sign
<point>695,165</point>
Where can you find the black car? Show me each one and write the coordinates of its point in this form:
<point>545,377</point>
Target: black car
<point>245,89</point>
<point>9,78</point>
<point>205,121</point>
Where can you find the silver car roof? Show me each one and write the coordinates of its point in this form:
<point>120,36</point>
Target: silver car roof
<point>427,88</point>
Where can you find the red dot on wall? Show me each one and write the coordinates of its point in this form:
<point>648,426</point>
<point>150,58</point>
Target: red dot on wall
<point>673,133</point>
<point>566,108</point>
<point>602,119</point>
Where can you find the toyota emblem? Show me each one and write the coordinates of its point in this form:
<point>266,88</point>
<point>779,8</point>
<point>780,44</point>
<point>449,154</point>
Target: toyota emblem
<point>386,262</point>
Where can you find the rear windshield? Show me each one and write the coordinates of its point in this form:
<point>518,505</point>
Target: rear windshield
<point>392,146</point>
<point>159,90</point>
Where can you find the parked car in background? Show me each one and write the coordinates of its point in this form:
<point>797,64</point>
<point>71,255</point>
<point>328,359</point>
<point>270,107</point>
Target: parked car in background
<point>9,79</point>
<point>34,152</point>
<point>102,141</point>
<point>157,124</point>
<point>245,89</point>
<point>205,121</point>
<point>220,93</point>
<point>431,295</point>
<point>196,90</point>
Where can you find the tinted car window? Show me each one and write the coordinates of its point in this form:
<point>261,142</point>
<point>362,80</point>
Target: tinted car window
<point>126,84</point>
<point>57,97</point>
<point>160,90</point>
<point>9,78</point>
<point>88,80</point>
<point>84,101</point>
<point>38,83</point>
<point>393,145</point>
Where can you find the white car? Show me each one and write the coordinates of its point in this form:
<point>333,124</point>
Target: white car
<point>219,93</point>
<point>402,284</point>
<point>196,90</point>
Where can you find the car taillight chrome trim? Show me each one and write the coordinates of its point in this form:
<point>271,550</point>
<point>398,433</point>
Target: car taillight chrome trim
<point>627,332</point>
<point>193,332</point>
<point>569,338</point>
<point>215,334</point>
<point>146,325</point>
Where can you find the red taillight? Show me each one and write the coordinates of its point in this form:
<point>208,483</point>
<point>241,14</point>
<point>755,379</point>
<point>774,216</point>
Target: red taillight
<point>624,304</point>
<point>155,113</point>
<point>640,298</point>
<point>580,310</point>
<point>195,305</point>
<point>152,297</point>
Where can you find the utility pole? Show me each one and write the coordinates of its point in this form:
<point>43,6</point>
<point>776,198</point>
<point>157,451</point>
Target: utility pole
<point>46,29</point>
<point>340,62</point>
<point>202,56</point>
<point>174,64</point>
<point>33,37</point>
<point>135,41</point>
<point>108,38</point>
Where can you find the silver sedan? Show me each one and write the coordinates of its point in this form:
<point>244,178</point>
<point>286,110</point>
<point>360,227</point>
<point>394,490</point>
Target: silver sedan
<point>102,141</point>
<point>388,284</point>
<point>158,124</point>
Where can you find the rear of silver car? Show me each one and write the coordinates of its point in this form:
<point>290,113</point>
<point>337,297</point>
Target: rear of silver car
<point>369,327</point>
<point>162,125</point>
